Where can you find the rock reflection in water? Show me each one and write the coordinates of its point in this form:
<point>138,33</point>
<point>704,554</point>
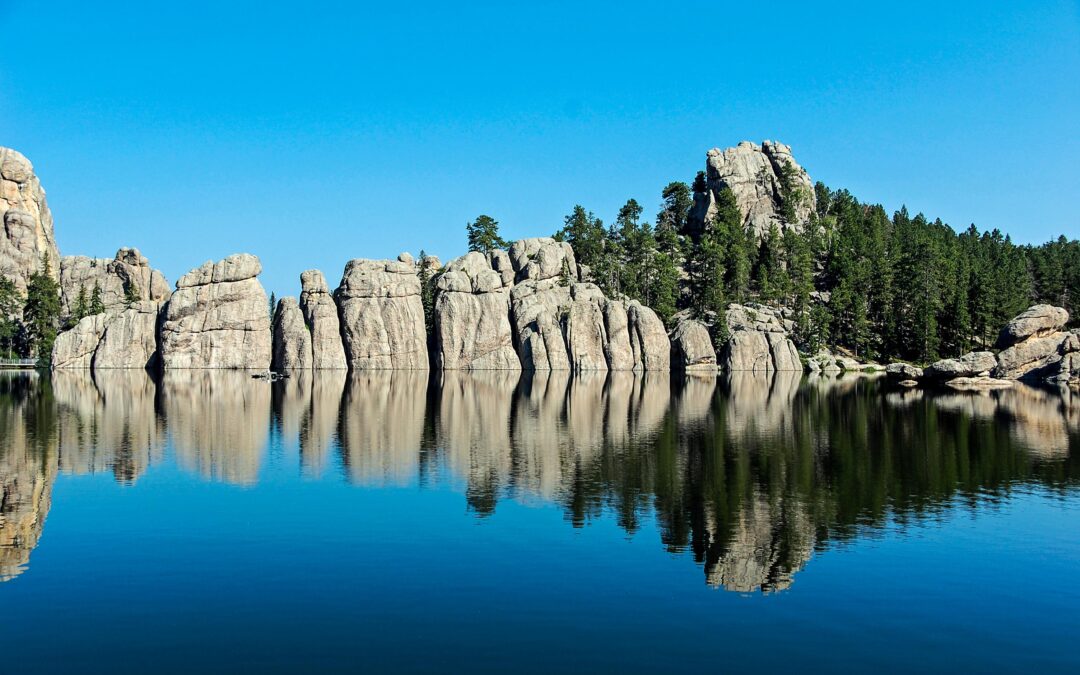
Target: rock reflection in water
<point>748,473</point>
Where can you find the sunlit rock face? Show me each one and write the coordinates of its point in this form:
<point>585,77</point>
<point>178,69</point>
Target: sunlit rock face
<point>383,416</point>
<point>759,340</point>
<point>754,174</point>
<point>125,339</point>
<point>27,232</point>
<point>218,318</point>
<point>28,468</point>
<point>382,316</point>
<point>218,422</point>
<point>106,422</point>
<point>291,338</point>
<point>692,349</point>
<point>127,275</point>
<point>321,316</point>
<point>472,315</point>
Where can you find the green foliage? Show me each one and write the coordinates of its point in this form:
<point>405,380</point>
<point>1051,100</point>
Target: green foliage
<point>41,313</point>
<point>483,235</point>
<point>97,305</point>
<point>10,311</point>
<point>131,294</point>
<point>427,291</point>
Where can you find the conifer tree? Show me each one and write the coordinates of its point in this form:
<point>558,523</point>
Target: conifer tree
<point>41,313</point>
<point>483,234</point>
<point>97,305</point>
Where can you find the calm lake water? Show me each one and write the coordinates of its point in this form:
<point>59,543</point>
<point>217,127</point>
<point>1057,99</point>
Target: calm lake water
<point>401,521</point>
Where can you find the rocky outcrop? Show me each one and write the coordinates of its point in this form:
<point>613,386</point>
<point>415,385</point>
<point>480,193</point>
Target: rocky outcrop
<point>826,363</point>
<point>382,316</point>
<point>321,315</point>
<point>128,275</point>
<point>754,173</point>
<point>75,348</point>
<point>692,349</point>
<point>218,318</point>
<point>127,339</point>
<point>27,233</point>
<point>758,340</point>
<point>1035,322</point>
<point>472,314</point>
<point>648,339</point>
<point>292,339</point>
<point>973,364</point>
<point>902,372</point>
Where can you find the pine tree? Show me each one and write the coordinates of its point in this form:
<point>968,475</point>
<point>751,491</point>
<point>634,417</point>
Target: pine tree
<point>272,306</point>
<point>10,310</point>
<point>483,234</point>
<point>427,291</point>
<point>131,293</point>
<point>97,305</point>
<point>41,313</point>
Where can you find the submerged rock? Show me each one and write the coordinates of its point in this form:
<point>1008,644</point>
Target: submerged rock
<point>218,317</point>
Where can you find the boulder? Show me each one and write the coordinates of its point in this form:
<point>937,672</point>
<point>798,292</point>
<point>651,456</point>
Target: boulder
<point>542,258</point>
<point>129,269</point>
<point>26,235</point>
<point>981,383</point>
<point>648,339</point>
<point>758,340</point>
<point>218,318</point>
<point>1035,322</point>
<point>824,362</point>
<point>753,173</point>
<point>75,348</point>
<point>692,349</point>
<point>382,316</point>
<point>971,364</point>
<point>903,372</point>
<point>472,315</point>
<point>292,338</point>
<point>1034,358</point>
<point>321,315</point>
<point>130,339</point>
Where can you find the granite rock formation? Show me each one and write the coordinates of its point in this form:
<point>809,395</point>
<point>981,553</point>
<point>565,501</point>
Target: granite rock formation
<point>292,339</point>
<point>382,316</point>
<point>692,349</point>
<point>472,314</point>
<point>973,364</point>
<point>129,269</point>
<point>1035,346</point>
<point>126,339</point>
<point>758,340</point>
<point>218,317</point>
<point>754,173</point>
<point>321,315</point>
<point>1035,322</point>
<point>27,233</point>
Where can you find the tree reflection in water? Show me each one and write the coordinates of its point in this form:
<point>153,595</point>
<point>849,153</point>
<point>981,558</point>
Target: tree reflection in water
<point>749,473</point>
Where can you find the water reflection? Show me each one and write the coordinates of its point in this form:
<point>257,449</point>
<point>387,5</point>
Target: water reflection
<point>748,473</point>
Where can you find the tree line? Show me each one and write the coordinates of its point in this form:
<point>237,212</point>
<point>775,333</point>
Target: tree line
<point>882,287</point>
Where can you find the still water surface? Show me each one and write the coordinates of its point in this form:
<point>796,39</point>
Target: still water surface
<point>211,522</point>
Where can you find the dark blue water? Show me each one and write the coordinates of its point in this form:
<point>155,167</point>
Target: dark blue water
<point>214,523</point>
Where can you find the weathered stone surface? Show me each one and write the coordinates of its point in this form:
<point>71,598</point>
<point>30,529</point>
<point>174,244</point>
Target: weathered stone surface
<point>1037,321</point>
<point>321,315</point>
<point>218,318</point>
<point>27,232</point>
<point>617,349</point>
<point>753,173</point>
<point>1034,358</point>
<point>691,348</point>
<point>292,339</point>
<point>758,340</point>
<point>648,339</point>
<point>538,310</point>
<point>903,372</point>
<point>824,362</point>
<point>75,348</point>
<point>586,331</point>
<point>113,277</point>
<point>971,364</point>
<point>382,316</point>
<point>542,258</point>
<point>964,383</point>
<point>130,339</point>
<point>472,316</point>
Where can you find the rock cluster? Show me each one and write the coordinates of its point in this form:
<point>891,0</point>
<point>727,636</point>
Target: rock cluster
<point>692,349</point>
<point>472,314</point>
<point>218,317</point>
<point>124,339</point>
<point>825,362</point>
<point>26,234</point>
<point>382,315</point>
<point>753,173</point>
<point>758,340</point>
<point>129,269</point>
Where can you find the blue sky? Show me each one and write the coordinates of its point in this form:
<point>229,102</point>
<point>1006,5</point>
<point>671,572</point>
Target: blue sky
<point>313,133</point>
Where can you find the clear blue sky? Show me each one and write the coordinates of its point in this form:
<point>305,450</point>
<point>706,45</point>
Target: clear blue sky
<point>311,133</point>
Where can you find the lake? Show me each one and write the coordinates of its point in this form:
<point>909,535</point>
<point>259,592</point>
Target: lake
<point>206,521</point>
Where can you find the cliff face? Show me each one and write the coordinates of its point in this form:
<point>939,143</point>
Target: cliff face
<point>756,175</point>
<point>27,222</point>
<point>128,273</point>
